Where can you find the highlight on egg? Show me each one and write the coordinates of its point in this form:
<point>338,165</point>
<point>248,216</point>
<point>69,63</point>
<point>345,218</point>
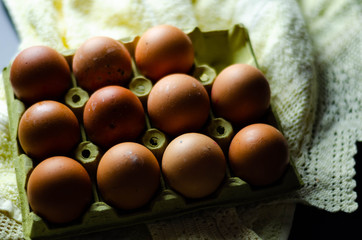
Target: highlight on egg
<point>177,104</point>
<point>39,73</point>
<point>113,114</point>
<point>240,94</point>
<point>48,128</point>
<point>194,165</point>
<point>59,189</point>
<point>258,154</point>
<point>102,61</point>
<point>163,50</point>
<point>128,176</point>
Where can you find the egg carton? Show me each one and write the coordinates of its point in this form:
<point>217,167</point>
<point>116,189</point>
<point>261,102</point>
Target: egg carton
<point>210,59</point>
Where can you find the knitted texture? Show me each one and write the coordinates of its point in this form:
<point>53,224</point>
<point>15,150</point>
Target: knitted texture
<point>327,168</point>
<point>10,229</point>
<point>310,52</point>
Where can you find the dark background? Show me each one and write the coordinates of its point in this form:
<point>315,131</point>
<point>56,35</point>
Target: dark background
<point>312,223</point>
<point>309,222</point>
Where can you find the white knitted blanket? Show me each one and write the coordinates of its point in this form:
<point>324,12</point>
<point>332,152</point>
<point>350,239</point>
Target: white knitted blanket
<point>310,50</point>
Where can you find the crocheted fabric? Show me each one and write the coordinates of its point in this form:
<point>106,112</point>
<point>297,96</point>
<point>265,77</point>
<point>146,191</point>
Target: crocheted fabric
<point>10,229</point>
<point>309,50</point>
<point>328,164</point>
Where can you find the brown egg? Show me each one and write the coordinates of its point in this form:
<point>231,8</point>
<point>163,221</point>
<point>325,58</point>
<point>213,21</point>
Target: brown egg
<point>128,176</point>
<point>163,50</point>
<point>194,165</point>
<point>59,190</point>
<point>48,128</point>
<point>258,154</point>
<point>102,61</point>
<point>39,73</point>
<point>113,114</point>
<point>178,103</point>
<point>240,94</point>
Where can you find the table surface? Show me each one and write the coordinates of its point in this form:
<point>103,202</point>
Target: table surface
<point>308,223</point>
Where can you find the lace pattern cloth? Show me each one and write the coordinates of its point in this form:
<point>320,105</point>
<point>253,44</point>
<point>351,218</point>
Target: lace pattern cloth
<point>309,50</point>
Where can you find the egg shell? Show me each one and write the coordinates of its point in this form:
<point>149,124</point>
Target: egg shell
<point>194,165</point>
<point>48,128</point>
<point>39,73</point>
<point>113,114</point>
<point>240,94</point>
<point>59,189</point>
<point>163,50</point>
<point>258,154</point>
<point>128,176</point>
<point>102,61</point>
<point>177,104</point>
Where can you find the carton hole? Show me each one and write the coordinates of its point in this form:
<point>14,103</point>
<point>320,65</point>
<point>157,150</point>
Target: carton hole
<point>154,141</point>
<point>75,98</point>
<point>220,130</point>
<point>86,153</point>
<point>140,88</point>
<point>204,77</point>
